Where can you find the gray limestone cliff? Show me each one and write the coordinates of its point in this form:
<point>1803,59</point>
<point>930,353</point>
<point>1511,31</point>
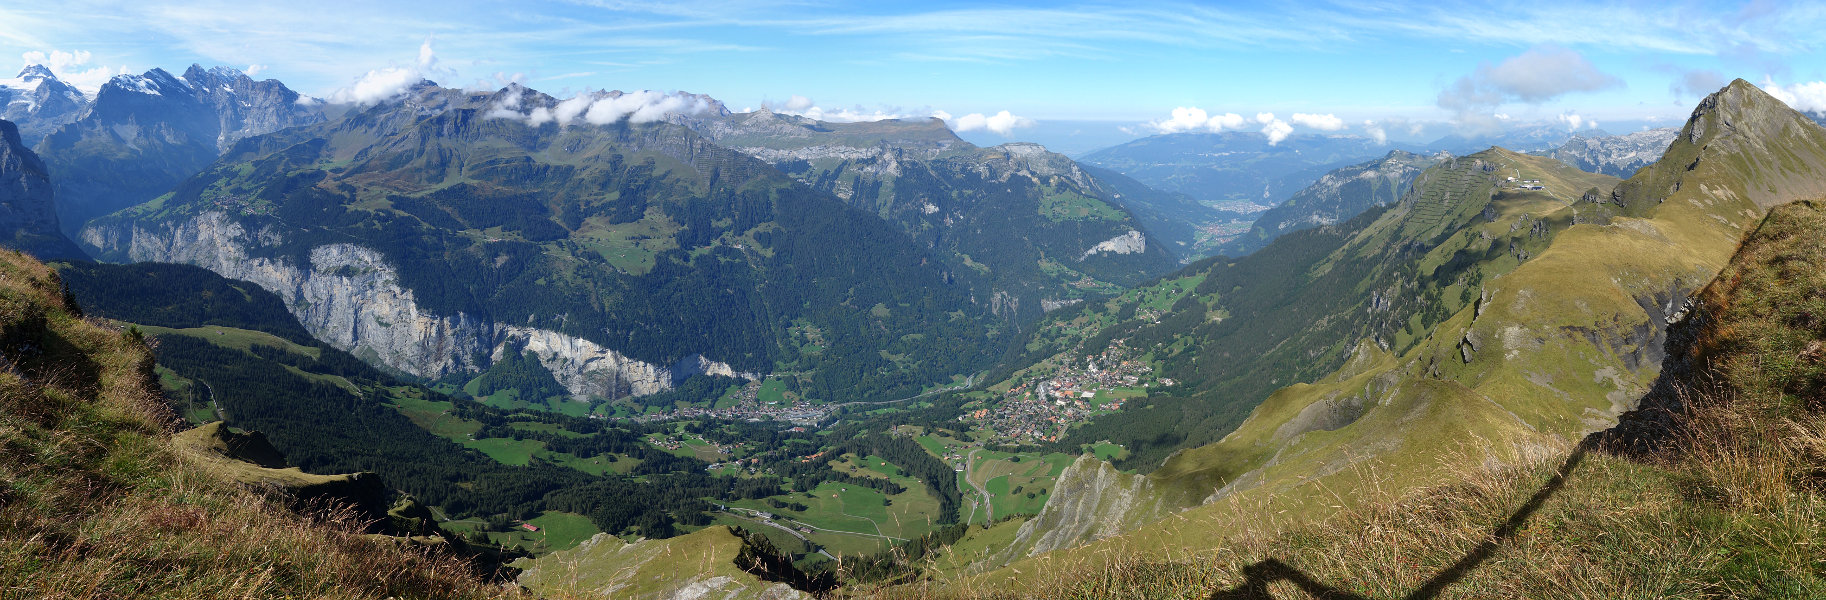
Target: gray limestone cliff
<point>350,297</point>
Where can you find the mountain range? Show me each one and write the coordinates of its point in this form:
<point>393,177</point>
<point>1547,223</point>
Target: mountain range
<point>142,134</point>
<point>634,344</point>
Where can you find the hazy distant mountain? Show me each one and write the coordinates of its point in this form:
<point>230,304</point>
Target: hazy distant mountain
<point>1619,155</point>
<point>1337,196</point>
<point>38,103</point>
<point>144,133</point>
<point>1527,138</point>
<point>1237,167</point>
<point>28,221</point>
<point>1172,217</point>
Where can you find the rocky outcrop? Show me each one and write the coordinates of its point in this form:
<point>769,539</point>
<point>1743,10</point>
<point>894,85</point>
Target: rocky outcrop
<point>1619,155</point>
<point>1129,243</point>
<point>1090,501</point>
<point>351,298</point>
<point>695,566</point>
<point>28,219</point>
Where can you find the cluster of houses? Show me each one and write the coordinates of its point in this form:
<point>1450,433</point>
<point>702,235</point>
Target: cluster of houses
<point>749,407</point>
<point>1526,184</point>
<point>1044,408</point>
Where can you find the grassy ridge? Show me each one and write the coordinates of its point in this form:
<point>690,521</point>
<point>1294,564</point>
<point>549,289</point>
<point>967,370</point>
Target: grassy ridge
<point>1728,504</point>
<point>94,502</point>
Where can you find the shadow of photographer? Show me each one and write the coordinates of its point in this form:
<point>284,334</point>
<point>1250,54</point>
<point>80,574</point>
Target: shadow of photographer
<point>1258,576</point>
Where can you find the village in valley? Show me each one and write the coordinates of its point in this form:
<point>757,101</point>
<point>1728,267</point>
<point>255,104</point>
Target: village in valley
<point>1069,389</point>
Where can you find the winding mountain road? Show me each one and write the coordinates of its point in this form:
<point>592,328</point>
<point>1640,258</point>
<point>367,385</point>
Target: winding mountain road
<point>969,466</point>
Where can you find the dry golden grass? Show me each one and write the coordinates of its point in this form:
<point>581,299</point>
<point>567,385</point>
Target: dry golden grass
<point>94,503</point>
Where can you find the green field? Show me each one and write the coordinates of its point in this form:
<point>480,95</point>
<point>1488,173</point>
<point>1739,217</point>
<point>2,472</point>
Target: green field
<point>1001,474</point>
<point>1106,451</point>
<point>507,450</point>
<point>557,531</point>
<point>434,417</point>
<point>772,391</point>
<point>229,337</point>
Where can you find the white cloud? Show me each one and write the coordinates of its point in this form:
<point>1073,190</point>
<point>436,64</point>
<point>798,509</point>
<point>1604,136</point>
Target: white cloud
<point>603,108</point>
<point>1573,121</point>
<point>380,85</point>
<point>253,70</point>
<point>1809,96</point>
<point>71,67</point>
<point>1325,122</point>
<point>1276,130</point>
<point>1264,118</point>
<point>1002,123</point>
<point>1376,132</point>
<point>805,107</point>
<point>644,106</point>
<point>1192,118</point>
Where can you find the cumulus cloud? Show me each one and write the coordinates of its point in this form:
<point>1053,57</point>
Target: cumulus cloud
<point>380,85</point>
<point>1192,118</point>
<point>1573,121</point>
<point>1276,130</point>
<point>73,68</point>
<point>1001,123</point>
<point>1808,97</point>
<point>602,108</point>
<point>1540,74</point>
<point>1376,132</point>
<point>1324,122</point>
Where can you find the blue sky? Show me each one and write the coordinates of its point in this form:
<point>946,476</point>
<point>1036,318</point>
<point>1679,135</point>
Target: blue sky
<point>1474,66</point>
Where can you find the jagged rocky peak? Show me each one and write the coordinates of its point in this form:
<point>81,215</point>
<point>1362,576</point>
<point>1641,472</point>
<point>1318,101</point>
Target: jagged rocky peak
<point>35,72</point>
<point>38,103</point>
<point>1619,155</point>
<point>1740,137</point>
<point>156,82</point>
<point>1741,108</point>
<point>246,107</point>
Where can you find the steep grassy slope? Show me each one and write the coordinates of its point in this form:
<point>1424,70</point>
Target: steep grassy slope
<point>1295,310</point>
<point>1554,348</point>
<point>1712,489</point>
<point>95,500</point>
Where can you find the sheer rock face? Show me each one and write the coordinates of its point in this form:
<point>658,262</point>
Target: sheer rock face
<point>351,298</point>
<point>39,103</point>
<point>28,218</point>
